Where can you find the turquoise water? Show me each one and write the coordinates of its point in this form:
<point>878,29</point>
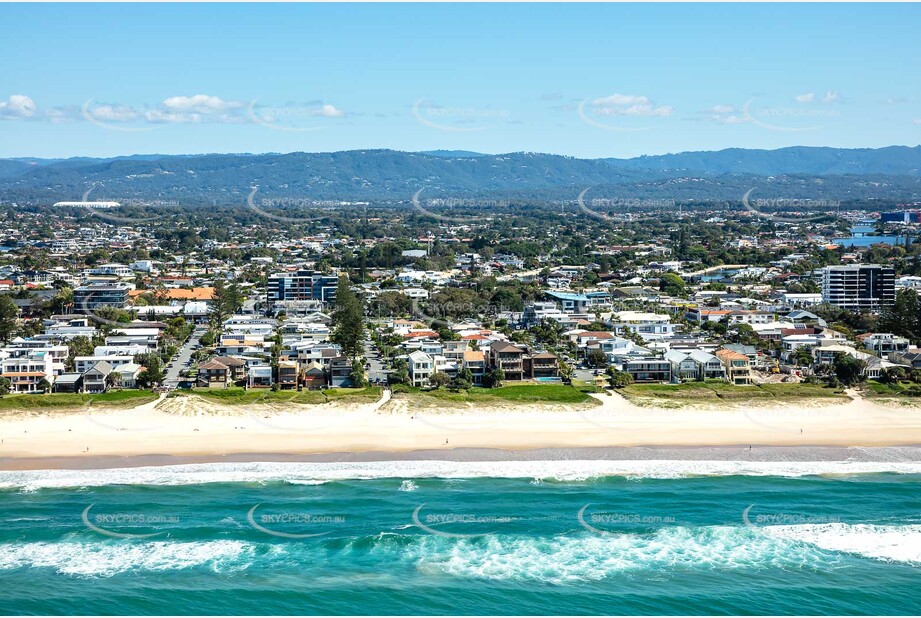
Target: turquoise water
<point>555,544</point>
<point>859,238</point>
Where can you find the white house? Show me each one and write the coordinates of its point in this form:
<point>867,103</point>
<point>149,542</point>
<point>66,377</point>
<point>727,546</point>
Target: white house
<point>421,368</point>
<point>82,364</point>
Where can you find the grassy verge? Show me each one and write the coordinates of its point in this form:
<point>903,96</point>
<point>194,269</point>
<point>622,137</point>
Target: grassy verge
<point>901,390</point>
<point>241,396</point>
<point>519,393</point>
<point>698,392</point>
<point>63,401</point>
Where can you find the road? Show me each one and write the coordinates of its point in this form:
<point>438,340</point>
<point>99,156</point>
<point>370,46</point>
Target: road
<point>183,356</point>
<point>376,372</point>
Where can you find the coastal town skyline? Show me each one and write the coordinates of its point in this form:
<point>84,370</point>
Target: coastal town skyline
<point>460,309</point>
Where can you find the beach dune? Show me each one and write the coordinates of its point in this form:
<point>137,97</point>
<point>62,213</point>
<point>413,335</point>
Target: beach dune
<point>191,426</point>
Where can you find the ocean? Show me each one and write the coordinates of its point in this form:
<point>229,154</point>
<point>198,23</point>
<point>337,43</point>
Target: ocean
<point>439,537</point>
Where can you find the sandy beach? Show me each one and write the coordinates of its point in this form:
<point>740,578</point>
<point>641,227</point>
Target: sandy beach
<point>194,429</point>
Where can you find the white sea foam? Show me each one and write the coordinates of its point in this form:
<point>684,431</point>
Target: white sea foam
<point>561,560</point>
<point>102,559</point>
<point>408,485</point>
<point>552,559</point>
<point>889,543</point>
<point>314,473</point>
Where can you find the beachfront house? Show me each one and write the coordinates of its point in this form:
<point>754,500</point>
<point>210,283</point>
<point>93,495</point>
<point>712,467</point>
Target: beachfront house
<point>509,358</point>
<point>314,376</point>
<point>421,367</point>
<point>236,366</point>
<point>543,365</point>
<point>68,383</point>
<point>261,376</point>
<point>648,369</point>
<point>737,366</point>
<point>213,374</point>
<point>695,365</point>
<point>340,372</point>
<point>126,375</point>
<point>26,373</point>
<point>475,361</point>
<point>96,377</point>
<point>287,375</point>
<point>683,365</point>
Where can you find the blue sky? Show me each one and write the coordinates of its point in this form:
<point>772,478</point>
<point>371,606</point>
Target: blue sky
<point>588,80</point>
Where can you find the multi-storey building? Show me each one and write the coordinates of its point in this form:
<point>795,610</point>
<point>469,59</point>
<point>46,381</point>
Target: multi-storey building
<point>302,285</point>
<point>858,286</point>
<point>89,298</point>
<point>26,373</point>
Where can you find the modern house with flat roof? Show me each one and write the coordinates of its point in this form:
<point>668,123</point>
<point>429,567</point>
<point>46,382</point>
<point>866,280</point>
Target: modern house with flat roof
<point>93,296</point>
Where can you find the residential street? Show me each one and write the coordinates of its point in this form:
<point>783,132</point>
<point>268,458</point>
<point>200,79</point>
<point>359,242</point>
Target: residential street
<point>183,357</point>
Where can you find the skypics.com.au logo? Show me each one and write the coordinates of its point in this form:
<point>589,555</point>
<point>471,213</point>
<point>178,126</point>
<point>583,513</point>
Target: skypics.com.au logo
<point>606,523</point>
<point>294,205</point>
<point>790,210</point>
<point>753,520</point>
<point>115,525</point>
<point>456,524</point>
<point>808,112</point>
<point>457,119</point>
<point>294,524</point>
<point>440,314</point>
<point>623,209</point>
<point>431,207</point>
<point>314,116</point>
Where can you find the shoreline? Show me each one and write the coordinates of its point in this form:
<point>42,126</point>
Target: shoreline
<point>191,430</point>
<point>740,453</point>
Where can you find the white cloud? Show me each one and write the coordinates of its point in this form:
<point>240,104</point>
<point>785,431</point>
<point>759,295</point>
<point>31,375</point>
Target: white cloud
<point>917,120</point>
<point>200,103</point>
<point>18,106</point>
<point>622,99</point>
<point>329,111</point>
<point>831,96</point>
<point>808,97</point>
<point>723,114</point>
<point>199,108</point>
<point>629,105</point>
<point>194,109</point>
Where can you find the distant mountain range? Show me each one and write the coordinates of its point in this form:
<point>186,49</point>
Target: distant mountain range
<point>893,160</point>
<point>892,173</point>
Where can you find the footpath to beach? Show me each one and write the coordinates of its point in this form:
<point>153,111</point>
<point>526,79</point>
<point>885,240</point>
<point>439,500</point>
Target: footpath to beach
<point>193,426</point>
